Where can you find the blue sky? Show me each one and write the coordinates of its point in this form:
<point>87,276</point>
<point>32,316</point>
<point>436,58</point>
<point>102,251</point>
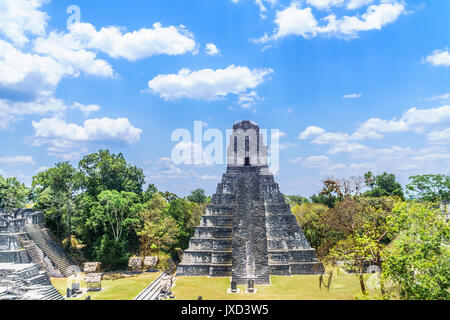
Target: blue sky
<point>353,85</point>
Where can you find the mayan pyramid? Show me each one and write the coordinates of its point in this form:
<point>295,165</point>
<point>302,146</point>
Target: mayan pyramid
<point>248,231</point>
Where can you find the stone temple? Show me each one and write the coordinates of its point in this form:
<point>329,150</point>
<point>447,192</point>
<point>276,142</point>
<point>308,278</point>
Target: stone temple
<point>248,232</point>
<point>28,257</point>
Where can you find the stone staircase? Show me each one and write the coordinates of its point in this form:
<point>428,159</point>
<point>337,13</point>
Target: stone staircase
<point>50,248</point>
<point>153,291</point>
<point>51,294</point>
<point>30,247</point>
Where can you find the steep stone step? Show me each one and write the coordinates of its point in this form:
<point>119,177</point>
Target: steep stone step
<point>50,248</point>
<point>153,291</point>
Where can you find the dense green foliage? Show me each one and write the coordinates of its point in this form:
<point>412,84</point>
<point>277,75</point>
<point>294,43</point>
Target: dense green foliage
<point>383,185</point>
<point>13,193</point>
<point>418,261</point>
<point>54,192</point>
<point>429,187</point>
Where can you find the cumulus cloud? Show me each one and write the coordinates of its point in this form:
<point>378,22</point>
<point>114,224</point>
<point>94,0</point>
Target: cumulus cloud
<point>440,136</point>
<point>311,131</point>
<point>134,45</point>
<point>12,111</point>
<point>299,21</point>
<point>439,58</point>
<point>208,84</point>
<point>66,50</point>
<point>26,75</point>
<point>69,140</point>
<point>18,18</point>
<point>17,160</point>
<point>211,49</point>
<point>416,120</point>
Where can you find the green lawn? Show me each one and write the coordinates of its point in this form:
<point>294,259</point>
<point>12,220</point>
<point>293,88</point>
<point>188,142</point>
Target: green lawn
<point>124,288</point>
<point>301,287</point>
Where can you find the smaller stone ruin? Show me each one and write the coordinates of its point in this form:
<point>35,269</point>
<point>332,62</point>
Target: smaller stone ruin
<point>150,262</point>
<point>91,267</point>
<point>135,263</point>
<point>94,281</point>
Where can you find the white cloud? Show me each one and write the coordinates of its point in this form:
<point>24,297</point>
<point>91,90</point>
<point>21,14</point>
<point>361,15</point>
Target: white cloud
<point>102,129</point>
<point>352,96</point>
<point>211,49</point>
<point>295,20</point>
<point>375,18</point>
<point>69,140</point>
<point>321,162</point>
<point>134,45</point>
<point>208,84</point>
<point>325,4</point>
<point>311,132</point>
<point>17,160</point>
<point>328,4</point>
<point>346,147</point>
<point>67,50</point>
<point>26,75</point>
<point>416,120</point>
<point>441,136</point>
<point>11,111</point>
<point>247,100</point>
<point>21,17</point>
<point>444,96</point>
<point>86,109</point>
<point>412,120</point>
<point>404,160</point>
<point>439,58</point>
<point>355,4</point>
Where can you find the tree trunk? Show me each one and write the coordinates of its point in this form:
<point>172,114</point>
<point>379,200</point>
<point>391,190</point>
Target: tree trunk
<point>361,279</point>
<point>69,225</point>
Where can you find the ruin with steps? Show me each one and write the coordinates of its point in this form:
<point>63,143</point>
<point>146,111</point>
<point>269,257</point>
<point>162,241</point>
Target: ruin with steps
<point>248,232</point>
<point>28,256</point>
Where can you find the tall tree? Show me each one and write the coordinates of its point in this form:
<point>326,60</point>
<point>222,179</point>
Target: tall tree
<point>158,231</point>
<point>13,194</point>
<point>113,218</point>
<point>383,185</point>
<point>361,229</point>
<point>106,171</point>
<point>197,196</point>
<point>429,187</point>
<point>56,188</point>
